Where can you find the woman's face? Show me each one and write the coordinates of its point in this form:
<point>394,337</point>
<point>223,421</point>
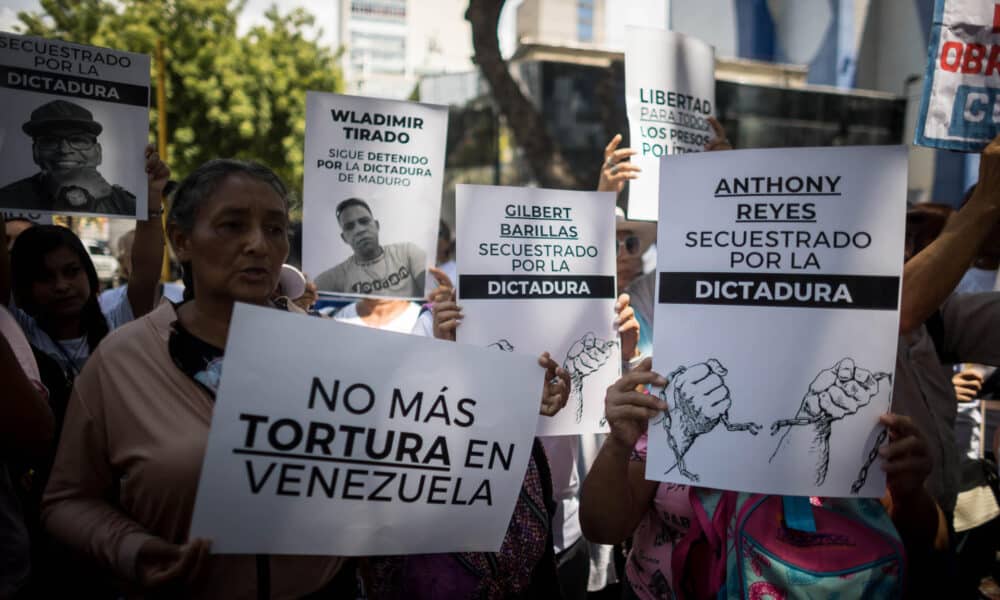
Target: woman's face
<point>238,243</point>
<point>62,288</point>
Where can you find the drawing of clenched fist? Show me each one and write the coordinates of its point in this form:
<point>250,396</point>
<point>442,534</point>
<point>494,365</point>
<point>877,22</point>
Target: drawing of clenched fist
<point>584,358</point>
<point>698,401</point>
<point>835,393</point>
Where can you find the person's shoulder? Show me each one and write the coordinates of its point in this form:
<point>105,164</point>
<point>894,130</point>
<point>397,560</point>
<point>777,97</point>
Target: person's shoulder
<point>332,279</point>
<point>23,193</point>
<point>133,341</point>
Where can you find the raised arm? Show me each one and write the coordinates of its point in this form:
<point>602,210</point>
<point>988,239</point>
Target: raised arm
<point>931,276</point>
<point>147,250</point>
<point>615,493</point>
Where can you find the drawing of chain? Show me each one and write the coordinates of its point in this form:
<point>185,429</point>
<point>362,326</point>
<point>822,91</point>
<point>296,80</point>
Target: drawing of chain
<point>863,474</point>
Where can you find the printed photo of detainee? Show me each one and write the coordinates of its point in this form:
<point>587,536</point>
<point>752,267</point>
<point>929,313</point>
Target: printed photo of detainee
<point>373,269</point>
<point>66,149</point>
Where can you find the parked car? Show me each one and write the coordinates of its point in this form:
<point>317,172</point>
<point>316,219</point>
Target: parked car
<point>105,264</point>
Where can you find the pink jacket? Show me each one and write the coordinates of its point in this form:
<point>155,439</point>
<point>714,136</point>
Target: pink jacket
<point>136,430</point>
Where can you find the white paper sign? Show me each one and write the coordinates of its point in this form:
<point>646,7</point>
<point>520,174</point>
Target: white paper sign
<point>331,439</point>
<point>777,318</point>
<point>960,109</point>
<point>669,94</point>
<point>73,129</point>
<point>374,170</point>
<point>39,218</point>
<point>536,273</point>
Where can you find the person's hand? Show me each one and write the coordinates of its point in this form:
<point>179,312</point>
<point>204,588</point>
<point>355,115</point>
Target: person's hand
<point>309,296</point>
<point>617,168</point>
<point>628,408</point>
<point>444,288</point>
<point>555,389</point>
<point>157,174</point>
<point>159,562</point>
<point>968,383</point>
<point>719,140</point>
<point>447,317</point>
<point>628,327</point>
<point>988,188</point>
<point>840,391</point>
<point>905,458</point>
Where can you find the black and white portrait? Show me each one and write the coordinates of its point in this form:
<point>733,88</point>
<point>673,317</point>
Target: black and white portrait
<point>373,268</point>
<point>66,148</point>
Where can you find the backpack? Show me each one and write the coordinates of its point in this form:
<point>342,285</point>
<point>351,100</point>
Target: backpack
<point>750,546</point>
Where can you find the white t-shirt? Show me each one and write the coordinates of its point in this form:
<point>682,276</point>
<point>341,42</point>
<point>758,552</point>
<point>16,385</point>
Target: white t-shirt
<point>563,453</point>
<point>404,322</point>
<point>73,353</point>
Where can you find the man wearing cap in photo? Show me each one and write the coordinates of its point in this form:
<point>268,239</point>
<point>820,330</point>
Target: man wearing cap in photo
<point>395,270</point>
<point>66,150</point>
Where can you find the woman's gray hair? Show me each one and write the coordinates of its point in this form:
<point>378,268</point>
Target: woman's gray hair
<point>197,188</point>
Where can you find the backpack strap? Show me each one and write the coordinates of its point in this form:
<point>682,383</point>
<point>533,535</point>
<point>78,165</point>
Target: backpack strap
<point>699,559</point>
<point>798,513</point>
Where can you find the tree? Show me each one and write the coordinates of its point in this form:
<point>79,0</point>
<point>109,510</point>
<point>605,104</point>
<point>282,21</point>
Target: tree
<point>227,95</point>
<point>542,151</point>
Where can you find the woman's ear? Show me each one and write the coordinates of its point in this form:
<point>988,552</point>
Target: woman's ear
<point>179,241</point>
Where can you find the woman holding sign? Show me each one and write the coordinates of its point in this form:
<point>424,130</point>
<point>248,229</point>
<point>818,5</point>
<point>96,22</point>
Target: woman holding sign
<point>618,502</point>
<point>123,487</point>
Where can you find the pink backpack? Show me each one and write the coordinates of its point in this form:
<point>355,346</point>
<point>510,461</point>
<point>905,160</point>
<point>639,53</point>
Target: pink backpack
<point>756,547</point>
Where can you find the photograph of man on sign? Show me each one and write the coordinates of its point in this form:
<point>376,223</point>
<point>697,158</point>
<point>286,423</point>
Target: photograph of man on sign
<point>66,149</point>
<point>373,269</point>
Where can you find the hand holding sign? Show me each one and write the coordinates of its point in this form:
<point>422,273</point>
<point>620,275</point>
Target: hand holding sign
<point>555,391</point>
<point>628,408</point>
<point>159,562</point>
<point>617,169</point>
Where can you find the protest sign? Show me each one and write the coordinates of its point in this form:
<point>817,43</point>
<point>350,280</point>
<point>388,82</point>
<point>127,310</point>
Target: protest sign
<point>74,128</point>
<point>346,440</point>
<point>960,108</point>
<point>39,218</point>
<point>536,273</point>
<point>669,94</point>
<point>777,318</point>
<point>374,170</point>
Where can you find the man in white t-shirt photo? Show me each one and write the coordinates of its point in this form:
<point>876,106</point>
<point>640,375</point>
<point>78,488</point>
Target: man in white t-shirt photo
<point>374,269</point>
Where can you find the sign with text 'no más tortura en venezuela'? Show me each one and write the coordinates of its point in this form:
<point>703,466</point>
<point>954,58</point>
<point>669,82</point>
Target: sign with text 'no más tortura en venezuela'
<point>536,273</point>
<point>73,129</point>
<point>374,171</point>
<point>670,94</point>
<point>777,318</point>
<point>347,440</point>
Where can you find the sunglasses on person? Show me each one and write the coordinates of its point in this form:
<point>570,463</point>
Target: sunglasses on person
<point>79,141</point>
<point>630,243</point>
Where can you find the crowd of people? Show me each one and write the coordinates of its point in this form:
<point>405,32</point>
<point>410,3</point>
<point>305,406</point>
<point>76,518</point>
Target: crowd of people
<point>108,398</point>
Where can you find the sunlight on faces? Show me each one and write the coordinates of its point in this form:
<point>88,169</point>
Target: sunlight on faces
<point>61,289</point>
<point>238,243</point>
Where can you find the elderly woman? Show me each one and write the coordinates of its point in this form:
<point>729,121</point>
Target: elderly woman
<point>123,486</point>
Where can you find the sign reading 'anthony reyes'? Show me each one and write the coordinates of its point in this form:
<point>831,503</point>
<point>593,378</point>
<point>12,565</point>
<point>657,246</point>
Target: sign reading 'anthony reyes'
<point>537,274</point>
<point>670,94</point>
<point>777,318</point>
<point>347,440</point>
<point>960,108</point>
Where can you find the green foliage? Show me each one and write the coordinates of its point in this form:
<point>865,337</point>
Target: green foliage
<point>227,95</point>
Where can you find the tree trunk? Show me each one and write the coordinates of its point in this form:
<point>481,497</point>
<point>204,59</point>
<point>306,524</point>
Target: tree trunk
<point>542,152</point>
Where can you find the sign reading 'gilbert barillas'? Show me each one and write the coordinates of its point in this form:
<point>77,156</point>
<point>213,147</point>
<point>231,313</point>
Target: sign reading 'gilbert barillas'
<point>73,128</point>
<point>537,274</point>
<point>332,439</point>
<point>374,171</point>
<point>777,318</point>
